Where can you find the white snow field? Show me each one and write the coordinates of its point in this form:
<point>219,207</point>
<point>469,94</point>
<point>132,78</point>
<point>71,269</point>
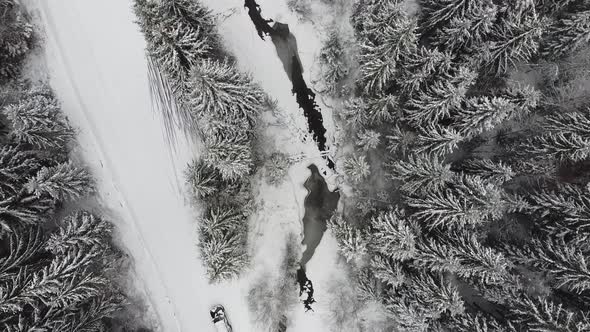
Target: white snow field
<point>95,56</point>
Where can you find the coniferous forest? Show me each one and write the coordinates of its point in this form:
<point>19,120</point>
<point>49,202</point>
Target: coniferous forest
<point>460,135</point>
<point>470,127</point>
<point>59,270</point>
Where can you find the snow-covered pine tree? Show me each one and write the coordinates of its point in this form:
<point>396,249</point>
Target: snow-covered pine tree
<point>63,182</point>
<point>437,295</point>
<point>66,280</point>
<point>562,211</point>
<point>481,114</point>
<point>468,32</point>
<point>436,256</point>
<point>377,72</point>
<point>566,137</point>
<point>487,198</point>
<point>229,153</point>
<point>564,261</point>
<point>46,282</point>
<point>16,38</point>
<point>388,271</point>
<point>479,262</point>
<point>352,242</point>
<point>515,38</point>
<point>81,229</point>
<point>438,99</point>
<point>399,140</point>
<point>381,109</point>
<point>395,235</point>
<point>421,173</point>
<point>277,168</point>
<point>91,315</point>
<point>437,140</point>
<point>552,7</point>
<point>562,146</point>
<point>438,13</point>
<point>356,168</point>
<point>358,113</point>
<point>219,90</point>
<point>22,89</point>
<point>524,96</point>
<point>421,66</point>
<point>23,245</point>
<point>379,58</point>
<point>220,221</point>
<point>202,180</point>
<point>222,243</point>
<point>537,314</point>
<point>367,288</point>
<point>372,15</point>
<point>567,35</point>
<point>333,60</point>
<point>469,202</point>
<point>354,113</point>
<point>178,34</point>
<point>497,173</point>
<point>572,122</point>
<point>475,323</point>
<point>16,166</point>
<point>368,140</point>
<point>39,122</point>
<point>407,315</point>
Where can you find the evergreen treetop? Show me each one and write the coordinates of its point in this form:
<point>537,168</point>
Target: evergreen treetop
<point>567,35</point>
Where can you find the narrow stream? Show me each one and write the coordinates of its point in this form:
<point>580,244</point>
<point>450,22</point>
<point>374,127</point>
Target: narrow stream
<point>286,47</point>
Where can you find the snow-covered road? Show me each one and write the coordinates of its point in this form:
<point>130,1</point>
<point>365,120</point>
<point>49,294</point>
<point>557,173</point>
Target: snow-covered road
<point>95,56</point>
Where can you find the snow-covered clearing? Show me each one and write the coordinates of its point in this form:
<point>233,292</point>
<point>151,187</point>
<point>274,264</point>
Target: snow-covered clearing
<point>95,56</point>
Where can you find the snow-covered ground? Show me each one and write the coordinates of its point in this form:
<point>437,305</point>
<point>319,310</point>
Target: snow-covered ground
<point>95,57</point>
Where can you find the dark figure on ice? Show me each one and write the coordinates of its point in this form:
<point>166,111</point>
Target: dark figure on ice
<point>262,25</point>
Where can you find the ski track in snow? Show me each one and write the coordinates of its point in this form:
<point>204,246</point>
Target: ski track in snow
<point>95,56</point>
<point>99,149</point>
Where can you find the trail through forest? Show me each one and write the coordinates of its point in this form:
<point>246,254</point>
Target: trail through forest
<point>99,73</point>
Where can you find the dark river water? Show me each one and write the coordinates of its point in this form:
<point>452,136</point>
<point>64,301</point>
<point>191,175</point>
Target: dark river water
<point>320,203</point>
<point>286,47</point>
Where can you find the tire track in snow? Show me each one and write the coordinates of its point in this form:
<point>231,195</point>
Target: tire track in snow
<point>106,162</point>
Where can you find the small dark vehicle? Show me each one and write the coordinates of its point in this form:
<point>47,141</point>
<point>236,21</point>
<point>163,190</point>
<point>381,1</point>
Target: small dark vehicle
<point>220,320</point>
